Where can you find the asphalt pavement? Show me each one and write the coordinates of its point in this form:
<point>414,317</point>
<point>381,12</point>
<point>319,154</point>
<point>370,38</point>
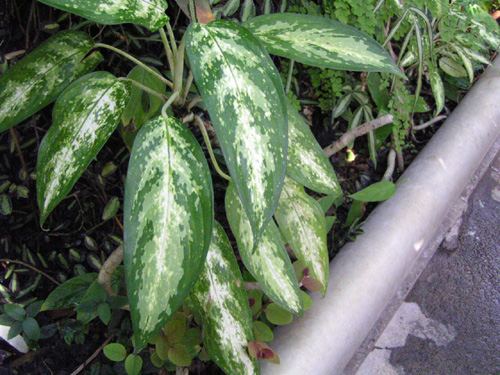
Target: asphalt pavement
<point>449,322</point>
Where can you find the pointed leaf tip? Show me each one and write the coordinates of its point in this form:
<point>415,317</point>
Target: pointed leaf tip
<point>168,219</point>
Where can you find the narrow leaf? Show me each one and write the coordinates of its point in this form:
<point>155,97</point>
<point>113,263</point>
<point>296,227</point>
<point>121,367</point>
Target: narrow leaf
<point>302,221</point>
<point>377,192</point>
<point>268,261</point>
<point>244,95</point>
<point>437,89</point>
<point>221,301</point>
<point>147,13</point>
<point>452,68</point>
<point>70,293</point>
<point>84,117</point>
<point>321,42</point>
<point>307,163</point>
<point>168,213</point>
<point>39,78</point>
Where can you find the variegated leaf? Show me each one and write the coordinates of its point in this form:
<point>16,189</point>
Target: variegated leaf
<point>84,117</point>
<point>244,95</point>
<point>437,87</point>
<point>268,260</point>
<point>168,213</point>
<point>302,221</point>
<point>39,78</point>
<point>307,162</point>
<point>147,13</point>
<point>321,42</point>
<point>221,301</point>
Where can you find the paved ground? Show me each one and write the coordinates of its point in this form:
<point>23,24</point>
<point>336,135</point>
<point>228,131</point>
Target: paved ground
<point>449,324</point>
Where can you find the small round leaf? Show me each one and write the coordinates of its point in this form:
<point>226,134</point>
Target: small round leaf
<point>174,331</point>
<point>277,315</point>
<point>115,352</point>
<point>133,364</point>
<point>262,332</point>
<point>179,355</point>
<point>157,361</point>
<point>307,300</point>
<point>16,312</point>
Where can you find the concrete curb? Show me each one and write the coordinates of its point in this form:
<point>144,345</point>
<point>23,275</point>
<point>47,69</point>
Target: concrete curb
<point>366,274</point>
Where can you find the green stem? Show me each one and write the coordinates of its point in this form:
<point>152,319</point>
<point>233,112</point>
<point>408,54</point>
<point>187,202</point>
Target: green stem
<point>201,125</point>
<point>172,39</point>
<point>168,103</point>
<point>137,62</point>
<point>289,78</point>
<point>192,11</point>
<point>160,96</point>
<point>187,86</point>
<point>168,51</point>
<point>179,68</point>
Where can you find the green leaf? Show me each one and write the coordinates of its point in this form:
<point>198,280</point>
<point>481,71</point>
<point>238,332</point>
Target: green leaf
<point>174,331</point>
<point>88,306</point>
<point>307,300</point>
<point>179,355</point>
<point>133,364</point>
<point>356,212</point>
<point>330,221</point>
<point>68,294</point>
<point>39,78</point>
<point>84,117</point>
<point>437,89</point>
<point>111,208</point>
<point>377,192</point>
<point>421,105</point>
<point>277,315</point>
<point>115,352</point>
<point>104,312</point>
<point>161,346</point>
<point>15,329</point>
<point>262,332</point>
<point>141,106</point>
<point>321,42</point>
<point>16,312</point>
<point>31,328</point>
<point>147,13</point>
<point>307,163</point>
<point>452,68</point>
<point>302,221</point>
<point>326,202</point>
<point>6,320</point>
<point>268,260</point>
<point>5,205</point>
<point>221,301</point>
<point>244,95</point>
<point>168,214</point>
<point>33,309</point>
<point>255,301</point>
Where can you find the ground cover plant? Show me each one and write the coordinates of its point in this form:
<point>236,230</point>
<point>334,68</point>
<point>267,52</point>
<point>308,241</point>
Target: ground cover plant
<point>221,97</point>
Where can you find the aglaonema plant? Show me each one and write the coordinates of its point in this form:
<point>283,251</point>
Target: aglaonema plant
<point>175,253</point>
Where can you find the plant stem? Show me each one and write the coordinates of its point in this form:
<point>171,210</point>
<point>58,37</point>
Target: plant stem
<point>109,268</point>
<point>356,132</point>
<point>187,86</point>
<point>145,88</point>
<point>429,123</point>
<point>289,78</point>
<point>172,39</point>
<point>168,51</point>
<point>192,11</point>
<point>168,103</point>
<point>201,125</point>
<point>179,68</point>
<point>91,358</point>
<point>136,61</point>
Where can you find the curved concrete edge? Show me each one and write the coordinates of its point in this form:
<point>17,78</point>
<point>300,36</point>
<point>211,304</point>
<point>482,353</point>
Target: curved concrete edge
<point>366,274</point>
